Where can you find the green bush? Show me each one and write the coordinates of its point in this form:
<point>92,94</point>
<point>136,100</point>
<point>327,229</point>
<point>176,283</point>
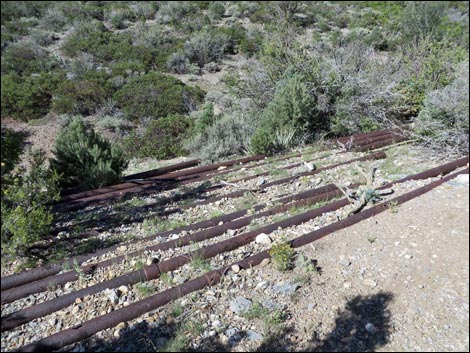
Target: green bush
<point>28,97</point>
<point>162,138</point>
<point>25,216</point>
<point>25,58</point>
<point>292,109</point>
<point>84,159</point>
<point>11,148</point>
<point>156,95</point>
<point>82,96</point>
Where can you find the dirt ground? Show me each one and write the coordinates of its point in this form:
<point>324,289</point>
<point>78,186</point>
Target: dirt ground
<point>408,276</point>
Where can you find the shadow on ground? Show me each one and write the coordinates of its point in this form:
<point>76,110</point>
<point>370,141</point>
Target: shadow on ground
<point>348,335</point>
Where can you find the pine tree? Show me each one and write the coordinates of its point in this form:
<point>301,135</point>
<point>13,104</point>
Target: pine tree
<point>84,159</point>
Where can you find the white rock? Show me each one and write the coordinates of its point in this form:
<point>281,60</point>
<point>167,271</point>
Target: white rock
<point>263,239</point>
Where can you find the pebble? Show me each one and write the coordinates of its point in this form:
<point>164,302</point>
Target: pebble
<point>261,181</point>
<point>236,268</point>
<point>370,282</point>
<point>254,336</point>
<point>240,305</point>
<point>263,239</point>
<point>370,327</point>
<point>344,262</point>
<point>285,288</point>
<point>216,323</point>
<point>123,289</point>
<point>112,295</point>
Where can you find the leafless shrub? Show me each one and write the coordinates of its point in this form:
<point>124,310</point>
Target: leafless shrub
<point>178,63</point>
<point>205,47</point>
<point>228,136</point>
<point>443,123</point>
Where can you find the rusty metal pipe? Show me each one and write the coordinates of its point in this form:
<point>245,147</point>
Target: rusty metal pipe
<point>120,189</point>
<point>378,144</point>
<point>153,271</point>
<point>41,285</point>
<point>132,311</point>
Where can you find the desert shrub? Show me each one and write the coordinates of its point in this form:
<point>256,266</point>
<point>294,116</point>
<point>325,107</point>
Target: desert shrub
<point>145,9</point>
<point>84,159</point>
<point>157,95</point>
<point>205,47</point>
<point>216,9</point>
<point>173,11</point>
<point>443,123</point>
<point>27,98</point>
<point>228,135</point>
<point>161,139</point>
<point>90,37</point>
<point>178,63</point>
<point>25,58</point>
<point>376,39</point>
<point>81,96</point>
<point>119,16</point>
<point>11,148</point>
<point>54,19</point>
<point>25,216</point>
<point>422,20</point>
<point>282,255</point>
<point>292,109</point>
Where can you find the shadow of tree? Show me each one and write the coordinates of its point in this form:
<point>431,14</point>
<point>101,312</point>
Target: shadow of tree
<point>126,212</point>
<point>363,326</point>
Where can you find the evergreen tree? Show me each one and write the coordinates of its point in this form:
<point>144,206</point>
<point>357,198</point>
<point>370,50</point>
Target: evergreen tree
<point>86,160</point>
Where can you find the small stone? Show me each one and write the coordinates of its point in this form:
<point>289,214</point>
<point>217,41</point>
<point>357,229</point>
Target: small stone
<point>75,309</point>
<point>347,285</point>
<point>117,334</point>
<point>78,301</point>
<point>254,336</point>
<point>249,272</point>
<point>370,282</point>
<point>285,288</point>
<point>123,289</point>
<point>310,166</point>
<point>236,268</point>
<point>408,257</point>
<point>261,181</point>
<point>240,305</point>
<point>263,239</point>
<point>231,232</point>
<point>370,327</point>
<point>262,285</point>
<point>216,323</point>
<point>122,248</point>
<point>112,295</point>
<point>222,167</point>
<point>179,279</point>
<point>345,262</point>
<point>311,306</point>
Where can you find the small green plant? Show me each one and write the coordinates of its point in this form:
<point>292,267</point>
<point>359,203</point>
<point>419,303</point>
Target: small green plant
<point>371,238</point>
<point>393,206</point>
<point>282,255</point>
<point>145,289</point>
<point>199,263</point>
<point>177,310</point>
<point>166,278</point>
<point>139,264</point>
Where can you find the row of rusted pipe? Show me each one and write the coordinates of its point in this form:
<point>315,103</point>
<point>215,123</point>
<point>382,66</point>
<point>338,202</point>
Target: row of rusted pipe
<point>34,274</point>
<point>153,271</point>
<point>132,311</point>
<point>37,286</point>
<point>164,178</point>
